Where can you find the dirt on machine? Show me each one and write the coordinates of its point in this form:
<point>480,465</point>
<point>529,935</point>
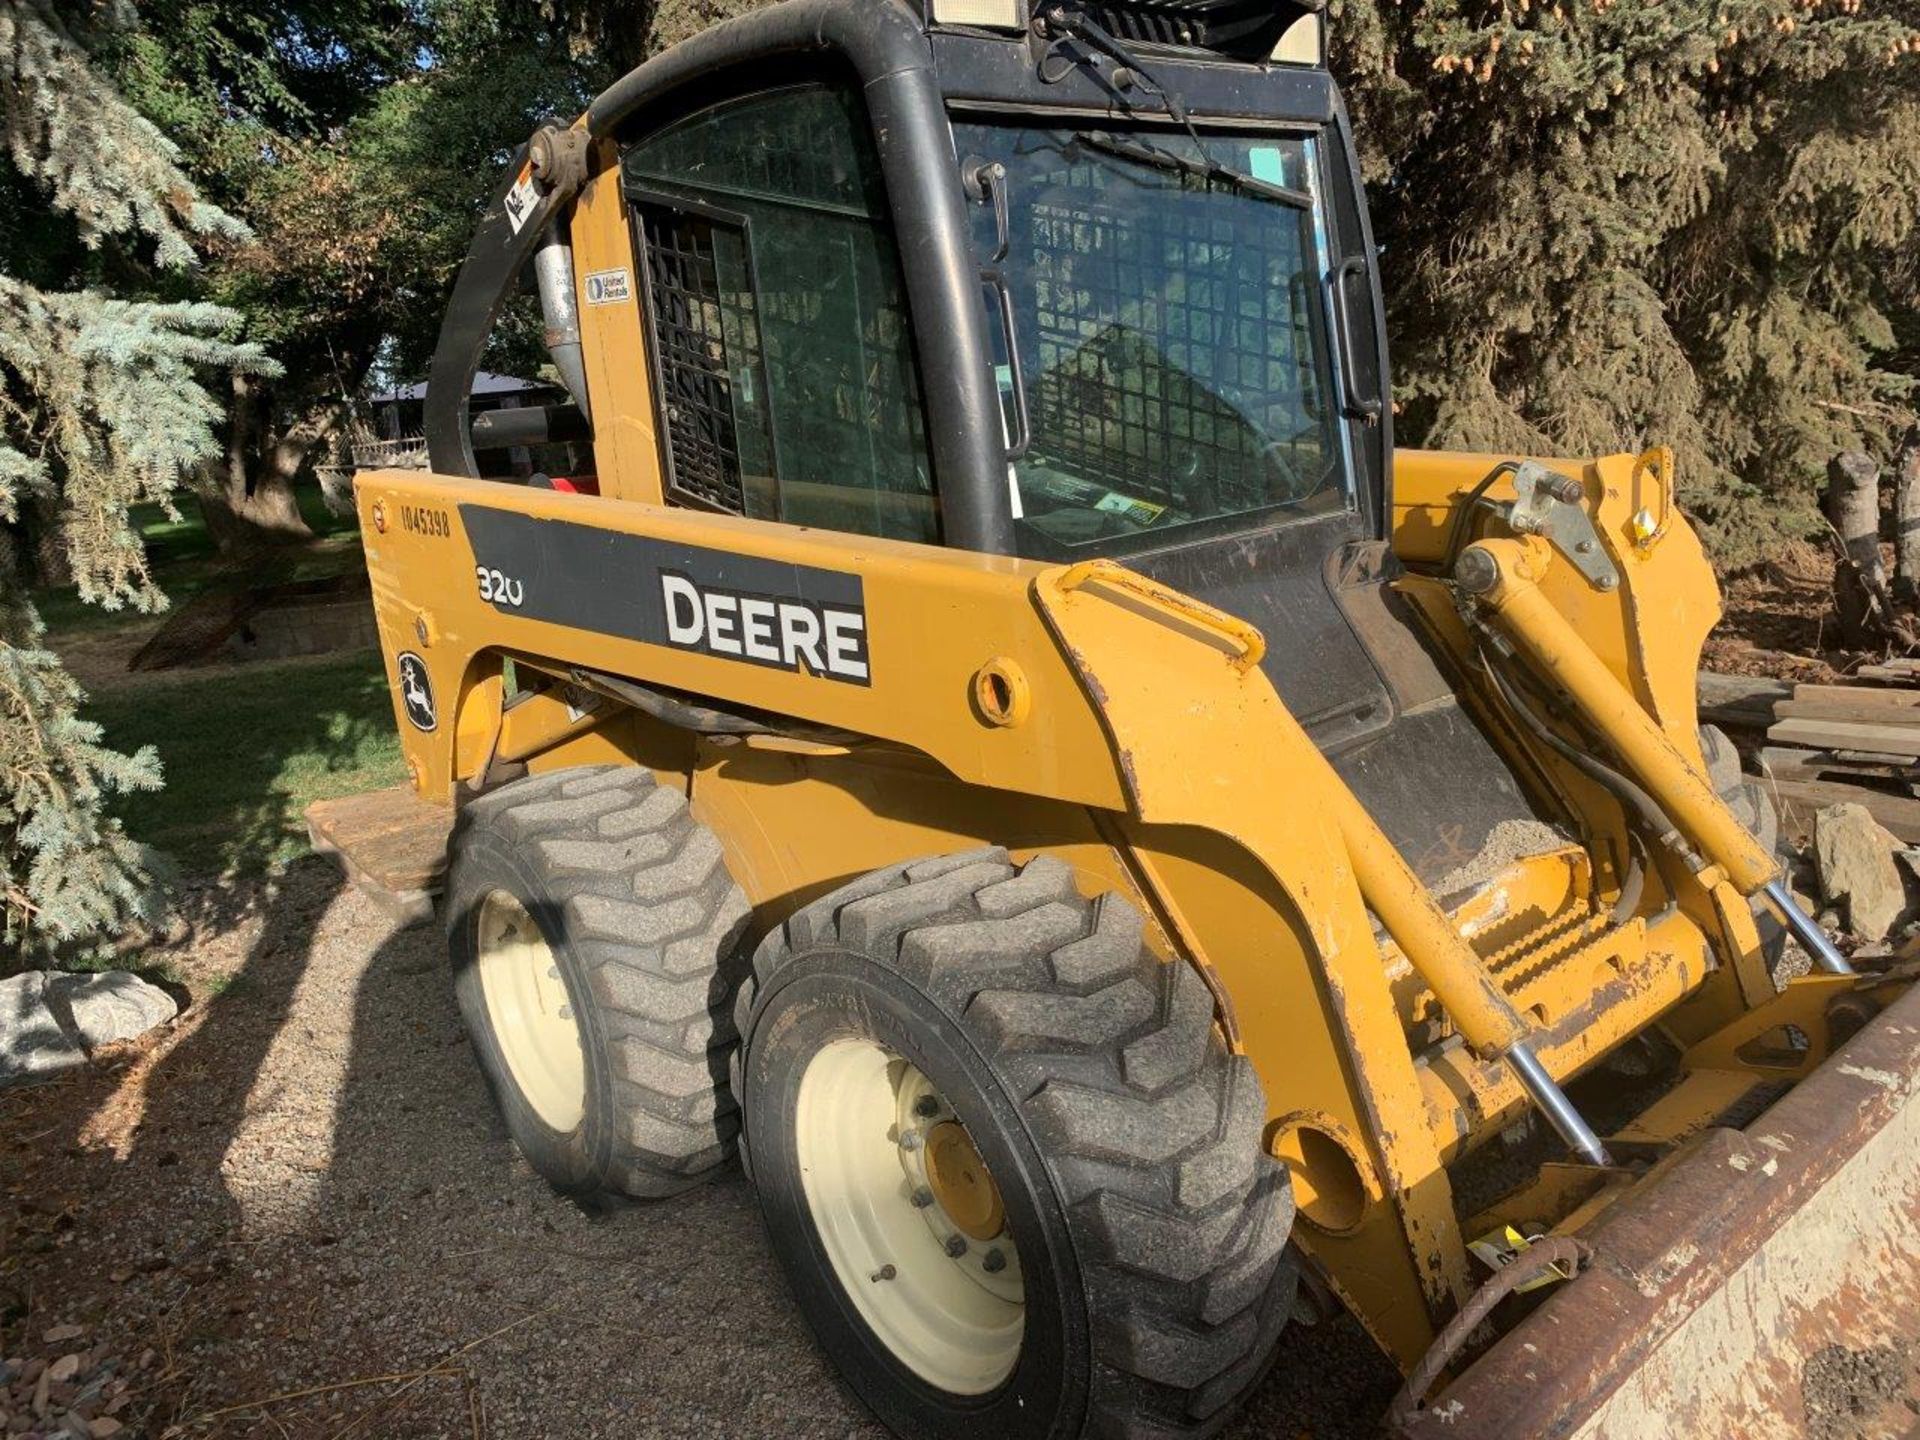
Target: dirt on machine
<point>999,742</point>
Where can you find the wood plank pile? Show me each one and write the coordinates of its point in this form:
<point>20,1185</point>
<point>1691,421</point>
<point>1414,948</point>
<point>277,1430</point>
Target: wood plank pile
<point>1829,744</point>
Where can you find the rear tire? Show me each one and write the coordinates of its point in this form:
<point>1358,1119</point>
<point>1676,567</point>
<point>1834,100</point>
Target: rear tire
<point>597,940</point>
<point>1123,1142</point>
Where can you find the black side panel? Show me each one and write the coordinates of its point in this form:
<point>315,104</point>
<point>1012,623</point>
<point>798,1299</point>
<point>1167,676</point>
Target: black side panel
<point>1275,579</point>
<point>1347,657</point>
<point>1436,786</point>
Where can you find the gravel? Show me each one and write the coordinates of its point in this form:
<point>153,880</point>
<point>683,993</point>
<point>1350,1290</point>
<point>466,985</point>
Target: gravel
<point>294,1213</point>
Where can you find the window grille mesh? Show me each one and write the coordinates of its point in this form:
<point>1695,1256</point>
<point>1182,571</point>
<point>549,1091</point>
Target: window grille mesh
<point>706,333</point>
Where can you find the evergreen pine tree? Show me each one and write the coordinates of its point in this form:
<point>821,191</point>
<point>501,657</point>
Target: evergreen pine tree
<point>1617,222</point>
<point>101,409</point>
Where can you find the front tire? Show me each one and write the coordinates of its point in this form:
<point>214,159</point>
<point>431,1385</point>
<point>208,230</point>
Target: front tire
<point>597,940</point>
<point>1102,1249</point>
<point>1753,807</point>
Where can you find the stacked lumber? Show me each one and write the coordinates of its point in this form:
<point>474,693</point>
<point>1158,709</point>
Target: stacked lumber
<point>1904,671</point>
<point>1830,744</point>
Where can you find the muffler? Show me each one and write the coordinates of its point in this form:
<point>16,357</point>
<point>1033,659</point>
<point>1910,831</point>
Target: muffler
<point>560,312</point>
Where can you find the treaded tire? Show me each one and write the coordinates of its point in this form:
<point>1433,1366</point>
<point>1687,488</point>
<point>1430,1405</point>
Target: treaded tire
<point>1150,1222</point>
<point>646,928</point>
<point>1747,797</point>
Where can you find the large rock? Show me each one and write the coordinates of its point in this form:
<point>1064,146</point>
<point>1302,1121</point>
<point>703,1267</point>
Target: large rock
<point>1857,867</point>
<point>32,1041</point>
<point>50,1022</point>
<point>112,1005</point>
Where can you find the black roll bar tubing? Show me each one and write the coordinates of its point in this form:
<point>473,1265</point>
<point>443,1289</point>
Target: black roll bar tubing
<point>889,52</point>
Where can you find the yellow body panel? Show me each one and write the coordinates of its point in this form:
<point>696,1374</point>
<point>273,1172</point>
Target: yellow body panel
<point>626,446</point>
<point>1092,715</point>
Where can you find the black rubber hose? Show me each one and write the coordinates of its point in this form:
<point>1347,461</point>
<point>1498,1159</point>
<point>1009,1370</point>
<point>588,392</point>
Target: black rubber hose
<point>1623,789</point>
<point>671,708</point>
<point>1457,531</point>
<point>1633,883</point>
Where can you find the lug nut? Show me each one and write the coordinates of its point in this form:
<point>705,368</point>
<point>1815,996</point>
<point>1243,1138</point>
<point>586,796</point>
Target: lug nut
<point>956,1245</point>
<point>994,1261</point>
<point>909,1139</point>
<point>926,1107</point>
<point>921,1198</point>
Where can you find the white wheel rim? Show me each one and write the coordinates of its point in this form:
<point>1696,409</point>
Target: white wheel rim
<point>532,1020</point>
<point>954,1320</point>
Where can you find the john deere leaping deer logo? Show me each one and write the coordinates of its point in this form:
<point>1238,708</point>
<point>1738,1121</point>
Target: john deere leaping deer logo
<point>416,691</point>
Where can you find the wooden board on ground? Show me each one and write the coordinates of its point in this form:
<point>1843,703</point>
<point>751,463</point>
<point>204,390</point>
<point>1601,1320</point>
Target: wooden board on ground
<point>1749,702</point>
<point>391,843</point>
<point>1848,713</point>
<point>1787,762</point>
<point>1875,696</point>
<point>1740,702</point>
<point>1799,800</point>
<point>1899,672</point>
<point>1847,735</point>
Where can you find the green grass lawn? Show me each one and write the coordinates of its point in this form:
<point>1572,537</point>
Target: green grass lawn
<point>245,748</point>
<point>185,561</point>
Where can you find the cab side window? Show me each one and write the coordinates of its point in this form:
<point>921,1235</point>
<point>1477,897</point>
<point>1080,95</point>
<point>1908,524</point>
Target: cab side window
<point>777,317</point>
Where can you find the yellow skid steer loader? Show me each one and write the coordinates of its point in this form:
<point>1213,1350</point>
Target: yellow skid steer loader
<point>988,729</point>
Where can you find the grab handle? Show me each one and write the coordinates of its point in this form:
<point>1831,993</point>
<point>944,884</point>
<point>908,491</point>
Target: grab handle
<point>1356,404</point>
<point>1251,643</point>
<point>1022,425</point>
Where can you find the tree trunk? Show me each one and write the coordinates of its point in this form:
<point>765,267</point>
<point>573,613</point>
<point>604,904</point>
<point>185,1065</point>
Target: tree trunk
<point>253,504</point>
<point>46,532</point>
<point>1860,595</point>
<point>1906,518</point>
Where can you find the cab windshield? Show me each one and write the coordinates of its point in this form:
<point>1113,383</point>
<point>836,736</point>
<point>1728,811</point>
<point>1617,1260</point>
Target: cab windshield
<point>1169,329</point>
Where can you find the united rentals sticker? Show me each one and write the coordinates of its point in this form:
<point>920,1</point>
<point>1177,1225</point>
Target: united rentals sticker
<point>608,287</point>
<point>416,691</point>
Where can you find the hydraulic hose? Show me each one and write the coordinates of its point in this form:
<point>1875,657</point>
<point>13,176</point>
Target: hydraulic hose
<point>1636,800</point>
<point>1501,576</point>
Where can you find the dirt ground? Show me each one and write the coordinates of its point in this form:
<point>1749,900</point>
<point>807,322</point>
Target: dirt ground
<point>1780,622</point>
<point>295,1214</point>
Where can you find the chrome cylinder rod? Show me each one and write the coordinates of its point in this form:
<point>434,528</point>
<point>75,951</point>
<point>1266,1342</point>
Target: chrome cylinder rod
<point>1807,930</point>
<point>1567,1122</point>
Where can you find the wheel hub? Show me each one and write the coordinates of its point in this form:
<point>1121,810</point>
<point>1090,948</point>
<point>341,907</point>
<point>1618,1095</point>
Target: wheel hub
<point>528,1006</point>
<point>909,1216</point>
<point>953,1189</point>
<point>960,1183</point>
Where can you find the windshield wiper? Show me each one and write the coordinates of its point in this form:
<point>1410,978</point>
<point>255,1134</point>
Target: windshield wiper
<point>1204,166</point>
<point>1070,20</point>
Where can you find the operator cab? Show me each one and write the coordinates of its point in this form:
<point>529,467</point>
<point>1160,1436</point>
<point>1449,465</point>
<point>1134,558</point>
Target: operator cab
<point>1048,280</point>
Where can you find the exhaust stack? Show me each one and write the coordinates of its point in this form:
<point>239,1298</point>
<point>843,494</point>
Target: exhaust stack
<point>560,309</point>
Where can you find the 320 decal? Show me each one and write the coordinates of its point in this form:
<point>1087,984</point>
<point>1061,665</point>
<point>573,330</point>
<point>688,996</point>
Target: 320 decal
<point>498,589</point>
